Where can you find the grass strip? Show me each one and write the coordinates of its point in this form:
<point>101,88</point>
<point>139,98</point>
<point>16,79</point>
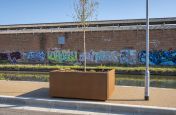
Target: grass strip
<point>52,67</point>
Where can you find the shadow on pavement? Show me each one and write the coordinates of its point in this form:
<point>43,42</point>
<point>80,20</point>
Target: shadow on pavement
<point>39,93</point>
<point>43,93</point>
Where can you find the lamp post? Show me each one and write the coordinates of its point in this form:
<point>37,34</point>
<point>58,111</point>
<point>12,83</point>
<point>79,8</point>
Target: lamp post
<point>147,72</point>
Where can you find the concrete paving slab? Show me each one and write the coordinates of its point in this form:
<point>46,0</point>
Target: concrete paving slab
<point>124,99</point>
<point>122,95</point>
<point>160,97</point>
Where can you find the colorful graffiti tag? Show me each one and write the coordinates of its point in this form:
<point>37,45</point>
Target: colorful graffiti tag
<point>128,56</point>
<point>36,57</point>
<point>125,56</point>
<point>159,57</point>
<point>62,56</point>
<point>100,57</point>
<point>11,57</point>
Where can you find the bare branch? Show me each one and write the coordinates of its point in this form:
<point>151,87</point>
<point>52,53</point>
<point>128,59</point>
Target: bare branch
<point>84,12</point>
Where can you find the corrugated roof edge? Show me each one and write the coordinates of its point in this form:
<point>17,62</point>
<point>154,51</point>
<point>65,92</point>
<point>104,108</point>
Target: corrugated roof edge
<point>169,20</point>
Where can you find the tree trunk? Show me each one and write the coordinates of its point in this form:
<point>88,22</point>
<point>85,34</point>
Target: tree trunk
<point>84,49</point>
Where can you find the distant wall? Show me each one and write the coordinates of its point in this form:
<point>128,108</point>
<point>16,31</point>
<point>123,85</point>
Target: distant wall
<point>107,47</point>
<point>97,41</point>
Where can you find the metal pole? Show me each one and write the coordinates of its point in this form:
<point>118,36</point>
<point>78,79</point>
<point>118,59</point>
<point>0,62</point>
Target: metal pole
<point>147,72</point>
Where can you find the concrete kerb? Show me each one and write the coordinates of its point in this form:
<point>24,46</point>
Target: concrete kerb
<point>85,105</point>
<point>27,110</point>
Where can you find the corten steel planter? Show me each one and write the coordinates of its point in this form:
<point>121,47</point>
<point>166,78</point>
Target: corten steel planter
<point>83,85</point>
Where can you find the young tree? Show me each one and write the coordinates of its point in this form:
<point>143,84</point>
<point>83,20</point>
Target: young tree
<point>85,10</point>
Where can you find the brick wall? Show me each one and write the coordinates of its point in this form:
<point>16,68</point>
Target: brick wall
<point>106,40</point>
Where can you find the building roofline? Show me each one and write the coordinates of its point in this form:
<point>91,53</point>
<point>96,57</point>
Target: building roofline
<point>124,22</point>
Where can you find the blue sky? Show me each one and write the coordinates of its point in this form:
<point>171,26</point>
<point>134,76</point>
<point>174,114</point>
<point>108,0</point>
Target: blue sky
<point>48,11</point>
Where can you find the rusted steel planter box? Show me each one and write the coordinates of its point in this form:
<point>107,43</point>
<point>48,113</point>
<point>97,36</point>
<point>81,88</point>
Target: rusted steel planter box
<point>83,85</point>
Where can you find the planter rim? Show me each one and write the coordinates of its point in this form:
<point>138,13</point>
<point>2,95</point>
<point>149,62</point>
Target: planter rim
<point>80,71</point>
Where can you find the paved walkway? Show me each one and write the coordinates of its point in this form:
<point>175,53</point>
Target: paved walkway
<point>122,95</point>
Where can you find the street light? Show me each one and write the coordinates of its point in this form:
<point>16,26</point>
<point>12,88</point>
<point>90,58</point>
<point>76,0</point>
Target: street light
<point>147,72</point>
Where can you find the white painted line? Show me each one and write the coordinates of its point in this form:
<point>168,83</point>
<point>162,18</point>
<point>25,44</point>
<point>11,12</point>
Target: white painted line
<point>20,109</point>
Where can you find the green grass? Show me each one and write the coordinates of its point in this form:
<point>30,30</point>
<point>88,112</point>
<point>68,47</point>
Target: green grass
<point>26,76</point>
<point>13,75</point>
<point>38,67</point>
<point>141,77</point>
<point>121,79</point>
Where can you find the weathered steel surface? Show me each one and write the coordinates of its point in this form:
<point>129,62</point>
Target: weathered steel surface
<point>83,85</point>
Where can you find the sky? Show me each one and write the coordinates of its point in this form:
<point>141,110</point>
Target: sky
<point>53,11</point>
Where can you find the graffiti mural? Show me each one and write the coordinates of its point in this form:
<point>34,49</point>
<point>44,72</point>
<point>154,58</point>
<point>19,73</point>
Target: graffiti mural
<point>10,57</point>
<point>62,56</point>
<point>34,57</point>
<point>125,56</point>
<point>102,57</point>
<point>159,57</point>
<point>128,56</point>
<point>4,56</point>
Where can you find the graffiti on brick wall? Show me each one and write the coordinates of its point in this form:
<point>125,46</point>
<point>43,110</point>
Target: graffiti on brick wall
<point>3,56</point>
<point>12,57</point>
<point>34,57</point>
<point>123,57</point>
<point>62,56</point>
<point>100,57</point>
<point>128,56</point>
<point>159,57</point>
